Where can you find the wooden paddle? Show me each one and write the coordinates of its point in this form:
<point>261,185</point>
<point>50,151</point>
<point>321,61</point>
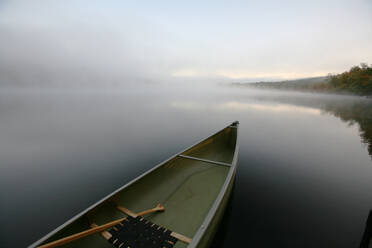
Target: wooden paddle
<point>159,207</point>
<point>97,229</point>
<point>108,235</point>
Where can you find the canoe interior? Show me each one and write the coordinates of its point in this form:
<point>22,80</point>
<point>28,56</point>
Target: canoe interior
<point>187,188</point>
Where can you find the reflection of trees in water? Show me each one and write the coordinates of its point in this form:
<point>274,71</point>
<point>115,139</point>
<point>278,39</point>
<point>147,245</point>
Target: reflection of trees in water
<point>360,113</point>
<point>348,108</point>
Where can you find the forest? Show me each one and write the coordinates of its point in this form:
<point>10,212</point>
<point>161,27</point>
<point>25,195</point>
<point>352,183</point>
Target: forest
<point>358,80</point>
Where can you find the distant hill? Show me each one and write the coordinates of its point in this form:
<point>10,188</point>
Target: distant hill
<point>358,80</point>
<point>287,84</point>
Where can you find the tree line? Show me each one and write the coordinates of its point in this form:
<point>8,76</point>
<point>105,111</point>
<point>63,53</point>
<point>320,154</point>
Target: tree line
<point>358,80</point>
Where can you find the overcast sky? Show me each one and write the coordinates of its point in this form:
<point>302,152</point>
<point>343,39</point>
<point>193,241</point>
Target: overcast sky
<point>231,39</point>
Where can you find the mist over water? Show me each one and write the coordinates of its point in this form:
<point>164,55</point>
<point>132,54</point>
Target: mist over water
<point>304,168</point>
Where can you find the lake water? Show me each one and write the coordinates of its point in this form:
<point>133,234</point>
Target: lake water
<point>304,175</point>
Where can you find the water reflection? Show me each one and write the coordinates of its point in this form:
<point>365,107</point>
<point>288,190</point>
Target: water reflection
<point>357,112</point>
<point>352,110</point>
<point>242,106</point>
<point>270,108</point>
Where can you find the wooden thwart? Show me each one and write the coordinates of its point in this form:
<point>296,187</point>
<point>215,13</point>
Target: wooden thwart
<point>178,236</point>
<point>204,160</point>
<point>158,208</point>
<point>96,229</point>
<point>108,235</point>
<point>104,234</point>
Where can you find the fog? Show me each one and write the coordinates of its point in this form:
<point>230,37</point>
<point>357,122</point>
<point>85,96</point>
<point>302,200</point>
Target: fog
<point>89,43</point>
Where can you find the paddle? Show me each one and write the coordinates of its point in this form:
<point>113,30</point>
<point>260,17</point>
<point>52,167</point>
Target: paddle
<point>178,236</point>
<point>97,229</point>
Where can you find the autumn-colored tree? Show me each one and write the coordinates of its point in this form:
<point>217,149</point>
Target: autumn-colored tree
<point>357,80</point>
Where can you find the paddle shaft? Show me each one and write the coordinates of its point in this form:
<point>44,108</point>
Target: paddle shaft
<point>101,228</point>
<point>82,234</point>
<point>96,229</point>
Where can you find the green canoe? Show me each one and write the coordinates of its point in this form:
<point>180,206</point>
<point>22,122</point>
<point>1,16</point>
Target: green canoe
<point>193,186</point>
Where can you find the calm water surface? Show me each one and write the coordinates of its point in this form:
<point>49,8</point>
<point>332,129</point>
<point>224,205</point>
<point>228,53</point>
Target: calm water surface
<point>304,174</point>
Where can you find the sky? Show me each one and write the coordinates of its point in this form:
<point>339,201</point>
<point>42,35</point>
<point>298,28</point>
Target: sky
<point>232,40</point>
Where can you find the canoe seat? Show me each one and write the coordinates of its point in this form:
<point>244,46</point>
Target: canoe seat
<point>140,233</point>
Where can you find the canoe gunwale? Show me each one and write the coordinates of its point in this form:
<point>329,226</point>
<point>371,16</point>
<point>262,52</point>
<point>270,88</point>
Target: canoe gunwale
<point>230,176</point>
<point>209,216</point>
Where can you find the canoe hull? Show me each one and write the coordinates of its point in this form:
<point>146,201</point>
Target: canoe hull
<point>209,234</point>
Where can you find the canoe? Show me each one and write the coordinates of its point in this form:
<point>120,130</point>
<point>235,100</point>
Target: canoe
<point>186,196</point>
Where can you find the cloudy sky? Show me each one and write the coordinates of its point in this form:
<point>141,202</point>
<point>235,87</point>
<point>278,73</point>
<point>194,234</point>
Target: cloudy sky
<point>168,39</point>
